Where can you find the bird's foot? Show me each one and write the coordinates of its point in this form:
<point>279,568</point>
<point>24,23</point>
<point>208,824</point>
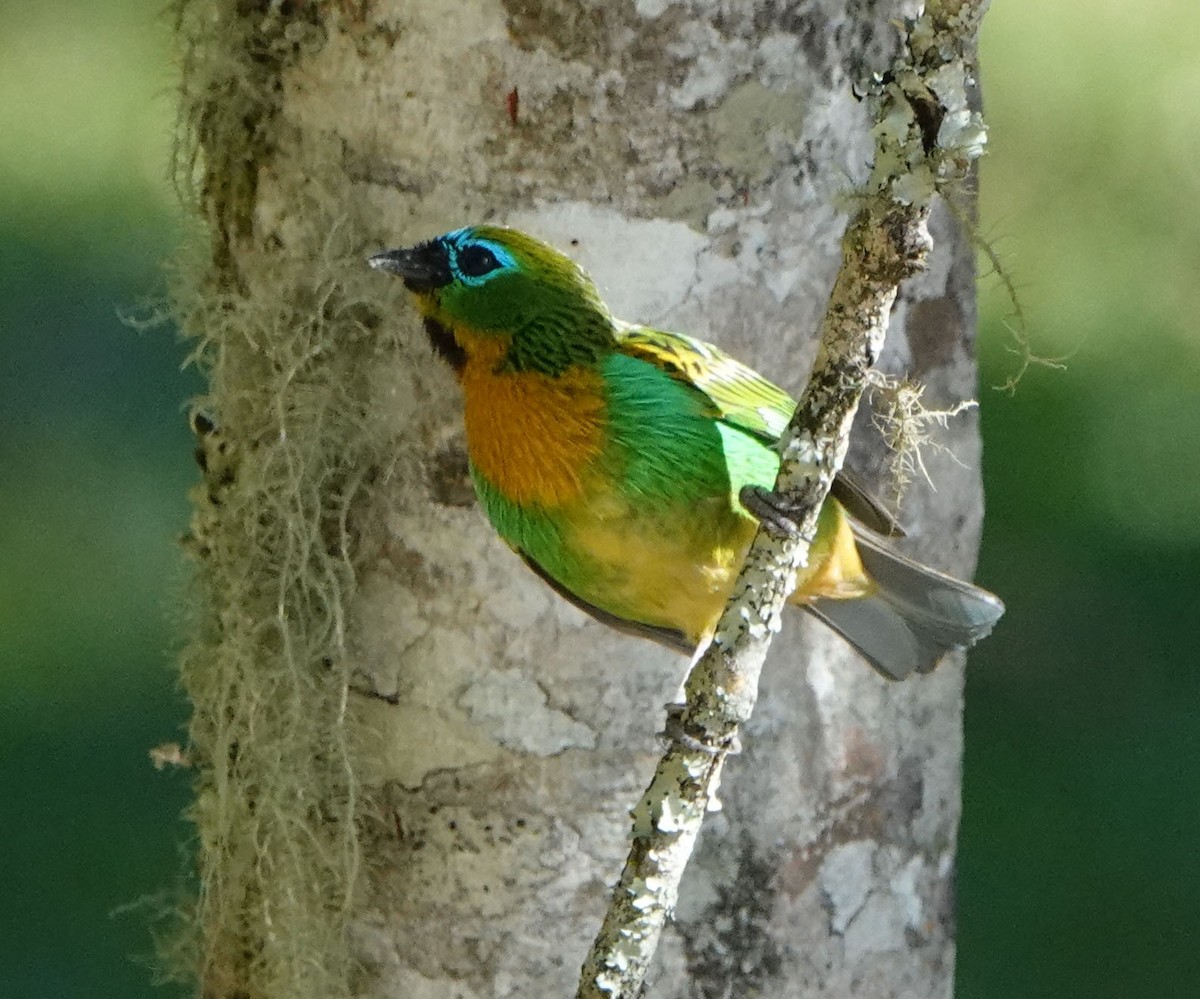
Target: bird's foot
<point>675,732</point>
<point>773,511</point>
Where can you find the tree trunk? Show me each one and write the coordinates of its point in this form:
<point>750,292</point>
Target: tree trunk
<point>416,762</point>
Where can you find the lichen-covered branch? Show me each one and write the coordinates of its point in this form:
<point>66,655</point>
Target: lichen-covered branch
<point>926,137</point>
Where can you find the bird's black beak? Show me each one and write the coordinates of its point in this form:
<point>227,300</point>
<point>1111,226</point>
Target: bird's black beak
<point>423,267</point>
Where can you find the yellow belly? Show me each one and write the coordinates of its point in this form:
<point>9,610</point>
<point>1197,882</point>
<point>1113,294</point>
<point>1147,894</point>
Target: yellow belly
<point>661,571</point>
<point>677,571</point>
<point>834,570</point>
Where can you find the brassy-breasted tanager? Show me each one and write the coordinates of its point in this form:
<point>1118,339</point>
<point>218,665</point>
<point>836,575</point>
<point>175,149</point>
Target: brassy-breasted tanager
<point>615,459</point>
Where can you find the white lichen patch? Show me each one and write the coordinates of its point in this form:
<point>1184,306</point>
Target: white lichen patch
<point>877,928</point>
<point>870,912</point>
<point>408,742</point>
<point>914,187</point>
<point>651,8</point>
<point>714,62</point>
<point>517,606</point>
<point>777,55</point>
<point>514,711</point>
<point>398,619</point>
<point>749,123</point>
<point>906,886</point>
<point>847,877</point>
<point>962,131</point>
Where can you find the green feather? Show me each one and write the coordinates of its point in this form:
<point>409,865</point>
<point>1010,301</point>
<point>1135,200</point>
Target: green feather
<point>659,426</point>
<point>740,396</point>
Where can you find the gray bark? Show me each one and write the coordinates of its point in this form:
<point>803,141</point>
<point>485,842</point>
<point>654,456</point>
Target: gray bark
<point>697,157</point>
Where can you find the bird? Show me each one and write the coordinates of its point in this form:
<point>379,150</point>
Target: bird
<point>630,467</point>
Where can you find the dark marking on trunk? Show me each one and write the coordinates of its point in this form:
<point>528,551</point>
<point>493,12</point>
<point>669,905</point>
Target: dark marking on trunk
<point>450,476</point>
<point>729,949</point>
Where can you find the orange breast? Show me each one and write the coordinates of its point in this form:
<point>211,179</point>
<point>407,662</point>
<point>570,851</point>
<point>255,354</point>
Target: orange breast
<point>531,435</point>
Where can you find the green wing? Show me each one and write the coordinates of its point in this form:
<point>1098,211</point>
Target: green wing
<point>740,396</point>
<point>744,399</point>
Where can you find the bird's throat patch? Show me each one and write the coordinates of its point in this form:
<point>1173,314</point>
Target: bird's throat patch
<point>444,345</point>
<point>531,435</point>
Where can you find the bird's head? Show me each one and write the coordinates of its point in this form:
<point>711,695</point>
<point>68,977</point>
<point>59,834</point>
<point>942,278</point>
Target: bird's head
<point>504,292</point>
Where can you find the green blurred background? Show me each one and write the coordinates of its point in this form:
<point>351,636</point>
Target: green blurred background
<point>1079,864</point>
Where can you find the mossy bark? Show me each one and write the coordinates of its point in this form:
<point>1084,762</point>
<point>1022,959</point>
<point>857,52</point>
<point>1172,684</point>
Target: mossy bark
<point>415,763</point>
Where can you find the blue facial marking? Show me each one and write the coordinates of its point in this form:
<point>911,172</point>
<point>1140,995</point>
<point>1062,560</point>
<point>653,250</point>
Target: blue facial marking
<point>474,261</point>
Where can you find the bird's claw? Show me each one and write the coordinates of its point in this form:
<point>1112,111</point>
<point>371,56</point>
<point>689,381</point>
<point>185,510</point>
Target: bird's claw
<point>675,732</point>
<point>771,509</point>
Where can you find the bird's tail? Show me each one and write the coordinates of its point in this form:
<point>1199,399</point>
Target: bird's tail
<point>915,616</point>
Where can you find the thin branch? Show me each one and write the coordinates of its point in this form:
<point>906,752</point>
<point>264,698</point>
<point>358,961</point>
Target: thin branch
<point>926,137</point>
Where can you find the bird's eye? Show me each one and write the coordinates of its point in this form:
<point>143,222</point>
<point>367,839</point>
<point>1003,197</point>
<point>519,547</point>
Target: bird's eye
<point>475,260</point>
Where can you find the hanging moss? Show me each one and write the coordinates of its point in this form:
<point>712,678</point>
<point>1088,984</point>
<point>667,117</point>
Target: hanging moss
<point>284,337</point>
